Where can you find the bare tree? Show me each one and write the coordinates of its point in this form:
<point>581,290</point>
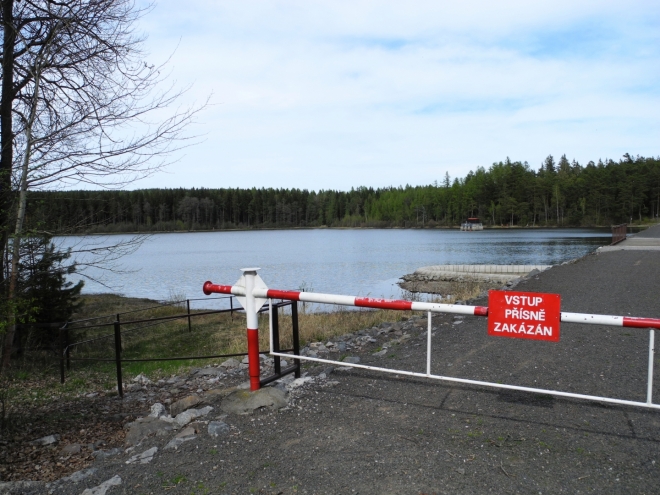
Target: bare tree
<point>79,105</point>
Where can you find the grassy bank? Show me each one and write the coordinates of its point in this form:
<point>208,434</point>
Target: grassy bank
<point>35,377</point>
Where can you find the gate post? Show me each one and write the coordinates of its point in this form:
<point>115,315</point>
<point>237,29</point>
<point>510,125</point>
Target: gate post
<point>120,387</point>
<point>252,328</point>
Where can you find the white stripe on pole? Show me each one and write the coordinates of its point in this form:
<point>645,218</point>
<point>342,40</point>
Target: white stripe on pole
<point>613,321</point>
<point>458,309</point>
<point>428,345</point>
<point>238,291</point>
<point>316,297</point>
<point>649,381</point>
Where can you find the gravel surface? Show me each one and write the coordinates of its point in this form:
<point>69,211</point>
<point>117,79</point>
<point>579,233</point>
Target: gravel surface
<point>353,431</point>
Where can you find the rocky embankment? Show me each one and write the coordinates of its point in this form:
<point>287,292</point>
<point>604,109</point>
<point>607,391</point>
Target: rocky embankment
<point>446,279</point>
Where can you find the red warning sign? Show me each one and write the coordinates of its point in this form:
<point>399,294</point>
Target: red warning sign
<point>524,315</point>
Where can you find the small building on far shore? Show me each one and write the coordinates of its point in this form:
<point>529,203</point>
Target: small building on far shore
<point>472,223</point>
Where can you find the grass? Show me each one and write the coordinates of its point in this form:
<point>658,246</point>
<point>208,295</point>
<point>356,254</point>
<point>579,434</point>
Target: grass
<point>34,379</point>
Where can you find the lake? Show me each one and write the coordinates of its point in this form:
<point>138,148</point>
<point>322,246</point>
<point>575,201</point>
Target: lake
<point>352,262</point>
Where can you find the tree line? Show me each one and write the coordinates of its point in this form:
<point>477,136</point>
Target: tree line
<point>559,193</point>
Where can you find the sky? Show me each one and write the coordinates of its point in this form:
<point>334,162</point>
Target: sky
<point>340,94</point>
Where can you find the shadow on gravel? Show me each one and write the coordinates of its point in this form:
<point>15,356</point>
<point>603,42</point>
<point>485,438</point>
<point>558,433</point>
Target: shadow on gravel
<point>526,399</point>
<point>542,411</point>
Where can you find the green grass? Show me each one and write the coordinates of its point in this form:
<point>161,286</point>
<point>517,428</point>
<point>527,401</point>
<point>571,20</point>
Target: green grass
<point>34,380</point>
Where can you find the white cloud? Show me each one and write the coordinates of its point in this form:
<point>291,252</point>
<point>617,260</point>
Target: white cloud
<point>340,94</point>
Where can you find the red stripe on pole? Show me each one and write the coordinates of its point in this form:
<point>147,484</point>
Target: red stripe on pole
<point>368,302</point>
<point>253,358</point>
<point>289,295</point>
<point>631,321</point>
<point>481,311</point>
<point>211,288</point>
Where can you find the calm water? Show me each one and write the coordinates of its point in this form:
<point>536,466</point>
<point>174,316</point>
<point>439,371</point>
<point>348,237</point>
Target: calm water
<point>355,262</point>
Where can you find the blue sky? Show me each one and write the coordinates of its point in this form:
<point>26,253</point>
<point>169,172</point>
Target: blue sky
<point>341,94</point>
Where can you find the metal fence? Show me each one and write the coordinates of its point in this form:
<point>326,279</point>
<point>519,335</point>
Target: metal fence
<point>118,326</point>
<point>619,233</point>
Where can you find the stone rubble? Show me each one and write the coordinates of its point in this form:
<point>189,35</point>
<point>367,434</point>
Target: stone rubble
<point>103,488</point>
<point>144,457</point>
<point>203,387</point>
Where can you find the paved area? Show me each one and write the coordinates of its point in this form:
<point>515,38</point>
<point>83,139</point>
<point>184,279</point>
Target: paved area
<point>370,433</point>
<point>647,240</point>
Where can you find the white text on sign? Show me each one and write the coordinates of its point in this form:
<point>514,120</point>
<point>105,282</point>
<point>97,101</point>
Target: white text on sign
<point>525,315</point>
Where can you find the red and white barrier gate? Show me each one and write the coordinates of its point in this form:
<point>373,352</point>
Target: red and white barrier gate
<point>253,293</point>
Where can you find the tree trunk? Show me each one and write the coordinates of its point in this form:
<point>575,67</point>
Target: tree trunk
<point>6,131</point>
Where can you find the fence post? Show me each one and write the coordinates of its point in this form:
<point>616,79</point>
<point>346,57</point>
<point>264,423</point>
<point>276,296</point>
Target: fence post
<point>296,339</point>
<point>252,328</point>
<point>188,306</point>
<point>120,387</point>
<point>649,384</point>
<point>276,338</point>
<point>68,350</point>
<point>231,307</point>
<point>61,338</point>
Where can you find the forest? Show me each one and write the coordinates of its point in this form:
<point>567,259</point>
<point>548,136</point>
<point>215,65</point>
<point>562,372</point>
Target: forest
<point>560,193</point>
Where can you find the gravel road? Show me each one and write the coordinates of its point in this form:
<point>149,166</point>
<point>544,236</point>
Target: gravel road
<point>360,432</point>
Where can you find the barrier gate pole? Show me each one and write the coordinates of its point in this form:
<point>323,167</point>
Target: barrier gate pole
<point>428,345</point>
<point>649,384</point>
<point>252,328</point>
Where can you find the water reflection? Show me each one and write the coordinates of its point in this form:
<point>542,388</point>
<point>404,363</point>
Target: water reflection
<point>359,262</point>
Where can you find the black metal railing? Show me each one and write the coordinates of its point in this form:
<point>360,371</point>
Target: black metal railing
<point>619,233</point>
<point>65,346</point>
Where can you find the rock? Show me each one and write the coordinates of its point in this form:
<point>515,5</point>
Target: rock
<point>380,353</point>
<point>142,380</point>
<point>145,427</point>
<point>21,487</point>
<point>244,402</point>
<point>213,372</point>
<point>144,457</point>
<point>187,416</point>
<point>102,454</point>
<point>328,370</point>
<point>218,428</point>
<point>73,448</point>
<point>185,403</point>
<point>49,440</point>
<point>245,360</point>
<point>460,471</point>
<point>341,346</point>
<point>157,410</point>
<point>217,393</point>
<point>298,382</point>
<point>78,476</point>
<point>185,435</point>
<point>351,359</point>
<point>103,487</point>
<point>230,363</point>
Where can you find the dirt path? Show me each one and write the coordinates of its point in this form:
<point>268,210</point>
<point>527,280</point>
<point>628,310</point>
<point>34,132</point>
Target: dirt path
<point>369,433</point>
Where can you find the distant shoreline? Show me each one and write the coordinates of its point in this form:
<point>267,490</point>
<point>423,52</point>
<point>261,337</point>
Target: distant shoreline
<point>636,228</point>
